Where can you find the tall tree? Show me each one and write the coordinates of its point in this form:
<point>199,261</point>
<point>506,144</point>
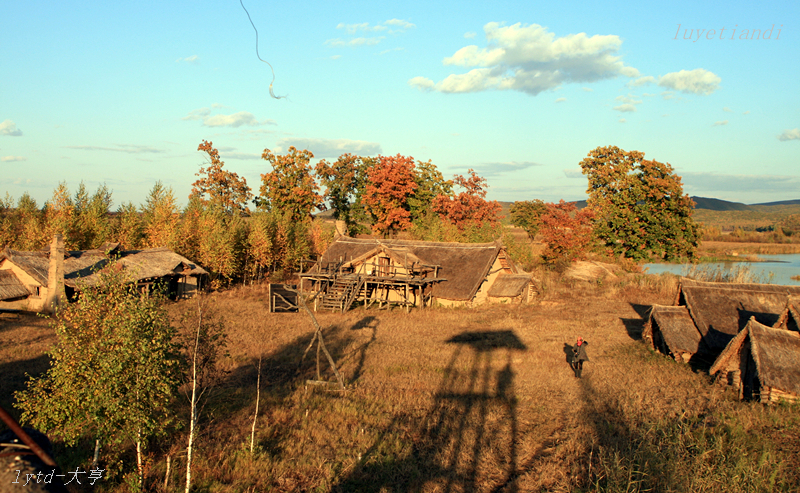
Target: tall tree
<point>129,230</point>
<point>91,221</point>
<point>345,181</point>
<point>114,368</point>
<point>528,215</point>
<point>470,207</point>
<point>59,217</point>
<point>224,188</point>
<point>430,184</point>
<point>391,184</point>
<point>289,187</point>
<point>639,205</point>
<point>160,217</point>
<point>567,232</point>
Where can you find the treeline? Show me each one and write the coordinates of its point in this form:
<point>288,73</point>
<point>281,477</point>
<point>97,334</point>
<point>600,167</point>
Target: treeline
<point>240,236</point>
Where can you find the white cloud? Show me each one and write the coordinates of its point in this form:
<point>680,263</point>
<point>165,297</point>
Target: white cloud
<point>697,81</point>
<point>7,127</point>
<point>667,95</point>
<point>354,41</point>
<point>793,134</point>
<point>126,148</point>
<point>727,110</point>
<point>234,120</point>
<point>241,155</point>
<point>495,169</point>
<point>421,83</point>
<point>391,50</point>
<point>330,148</point>
<point>622,120</point>
<point>530,59</point>
<point>588,89</point>
<point>625,108</point>
<point>573,173</point>
<point>399,24</point>
<point>189,59</point>
<point>746,112</point>
<point>335,57</point>
<point>561,100</point>
<point>648,79</point>
<point>720,123</point>
<point>713,182</point>
<point>470,35</point>
<point>8,159</point>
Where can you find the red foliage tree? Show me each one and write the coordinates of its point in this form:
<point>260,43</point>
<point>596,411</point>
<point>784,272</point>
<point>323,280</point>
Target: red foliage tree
<point>391,183</point>
<point>223,187</point>
<point>469,207</point>
<point>566,231</point>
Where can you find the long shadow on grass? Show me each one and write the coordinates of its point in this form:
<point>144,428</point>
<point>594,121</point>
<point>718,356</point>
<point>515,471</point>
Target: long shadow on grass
<point>467,440</point>
<point>634,326</point>
<point>14,376</point>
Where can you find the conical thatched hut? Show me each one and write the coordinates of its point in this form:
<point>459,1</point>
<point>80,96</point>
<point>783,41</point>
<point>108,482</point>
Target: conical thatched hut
<point>762,363</point>
<point>671,330</point>
<point>790,317</point>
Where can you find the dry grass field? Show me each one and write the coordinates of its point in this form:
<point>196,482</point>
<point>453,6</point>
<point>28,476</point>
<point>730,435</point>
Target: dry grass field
<point>461,400</point>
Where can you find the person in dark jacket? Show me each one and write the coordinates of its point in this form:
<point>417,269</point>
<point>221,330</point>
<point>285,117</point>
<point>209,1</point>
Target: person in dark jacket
<point>579,355</point>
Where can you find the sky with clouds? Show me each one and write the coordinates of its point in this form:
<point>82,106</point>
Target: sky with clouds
<point>122,93</point>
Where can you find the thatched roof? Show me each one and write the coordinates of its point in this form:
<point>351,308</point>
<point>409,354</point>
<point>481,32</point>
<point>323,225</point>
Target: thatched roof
<point>676,327</point>
<point>720,311</point>
<point>464,266</point>
<point>10,286</point>
<point>790,317</point>
<point>81,266</point>
<point>776,353</point>
<point>509,285</point>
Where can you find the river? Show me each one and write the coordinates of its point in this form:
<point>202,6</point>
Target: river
<point>775,269</point>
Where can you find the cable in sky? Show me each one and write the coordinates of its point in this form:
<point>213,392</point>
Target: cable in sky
<point>259,56</point>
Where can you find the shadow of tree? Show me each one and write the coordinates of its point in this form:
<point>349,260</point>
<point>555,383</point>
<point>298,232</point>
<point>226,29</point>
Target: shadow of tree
<point>467,440</point>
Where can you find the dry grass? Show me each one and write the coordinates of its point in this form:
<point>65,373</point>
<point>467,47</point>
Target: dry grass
<point>476,399</point>
<point>736,249</point>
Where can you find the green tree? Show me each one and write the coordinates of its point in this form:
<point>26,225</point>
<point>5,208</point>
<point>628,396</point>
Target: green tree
<point>28,221</point>
<point>60,217</point>
<point>289,187</point>
<point>224,188</point>
<point>639,205</point>
<point>345,181</point>
<point>129,230</point>
<point>114,368</point>
<point>528,215</point>
<point>91,217</point>
<point>430,184</point>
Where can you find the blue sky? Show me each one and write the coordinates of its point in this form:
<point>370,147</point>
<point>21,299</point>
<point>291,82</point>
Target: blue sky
<point>122,93</point>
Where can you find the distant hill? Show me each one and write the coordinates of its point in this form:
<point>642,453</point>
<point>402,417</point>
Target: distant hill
<point>719,205</point>
<point>782,202</point>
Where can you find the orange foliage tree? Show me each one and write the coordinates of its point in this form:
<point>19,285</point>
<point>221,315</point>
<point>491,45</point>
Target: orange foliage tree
<point>289,188</point>
<point>470,207</point>
<point>391,183</point>
<point>160,217</point>
<point>566,231</point>
<point>224,188</point>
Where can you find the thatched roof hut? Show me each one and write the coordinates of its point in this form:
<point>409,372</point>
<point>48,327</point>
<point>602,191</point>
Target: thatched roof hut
<point>721,310</point>
<point>515,288</point>
<point>671,330</point>
<point>761,362</point>
<point>10,287</point>
<point>790,317</point>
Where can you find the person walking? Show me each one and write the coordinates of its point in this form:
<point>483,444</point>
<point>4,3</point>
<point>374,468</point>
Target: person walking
<point>579,355</point>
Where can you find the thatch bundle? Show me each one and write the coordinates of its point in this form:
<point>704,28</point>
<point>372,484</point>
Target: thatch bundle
<point>671,330</point>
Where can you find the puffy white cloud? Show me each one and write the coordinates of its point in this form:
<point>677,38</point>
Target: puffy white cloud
<point>697,81</point>
<point>7,127</point>
<point>470,34</point>
<point>793,134</point>
<point>720,123</point>
<point>625,108</point>
<point>421,83</point>
<point>622,120</point>
<point>399,24</point>
<point>234,120</point>
<point>330,148</point>
<point>8,159</point>
<point>561,100</point>
<point>189,59</point>
<point>530,59</point>
<point>648,79</point>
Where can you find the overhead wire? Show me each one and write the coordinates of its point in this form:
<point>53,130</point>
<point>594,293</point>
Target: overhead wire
<point>271,93</point>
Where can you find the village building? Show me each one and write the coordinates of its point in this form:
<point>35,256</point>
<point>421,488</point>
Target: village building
<point>790,317</point>
<point>32,281</point>
<point>707,315</point>
<point>762,363</point>
<point>413,273</point>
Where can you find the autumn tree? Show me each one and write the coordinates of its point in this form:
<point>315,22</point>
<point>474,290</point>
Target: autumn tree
<point>59,217</point>
<point>391,184</point>
<point>528,215</point>
<point>566,231</point>
<point>639,205</point>
<point>129,230</point>
<point>345,181</point>
<point>92,223</point>
<point>114,368</point>
<point>430,184</point>
<point>289,187</point>
<point>223,188</point>
<point>470,207</point>
<point>22,226</point>
<point>160,217</point>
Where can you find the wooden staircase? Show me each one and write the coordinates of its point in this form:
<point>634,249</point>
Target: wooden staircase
<point>342,293</point>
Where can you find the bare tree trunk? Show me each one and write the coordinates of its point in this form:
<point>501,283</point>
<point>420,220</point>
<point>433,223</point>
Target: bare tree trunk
<point>96,457</point>
<point>255,416</point>
<point>193,416</point>
<point>139,459</point>
<point>166,476</point>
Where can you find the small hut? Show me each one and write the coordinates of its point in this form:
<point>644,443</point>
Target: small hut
<point>671,330</point>
<point>511,288</point>
<point>790,317</point>
<point>762,363</point>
